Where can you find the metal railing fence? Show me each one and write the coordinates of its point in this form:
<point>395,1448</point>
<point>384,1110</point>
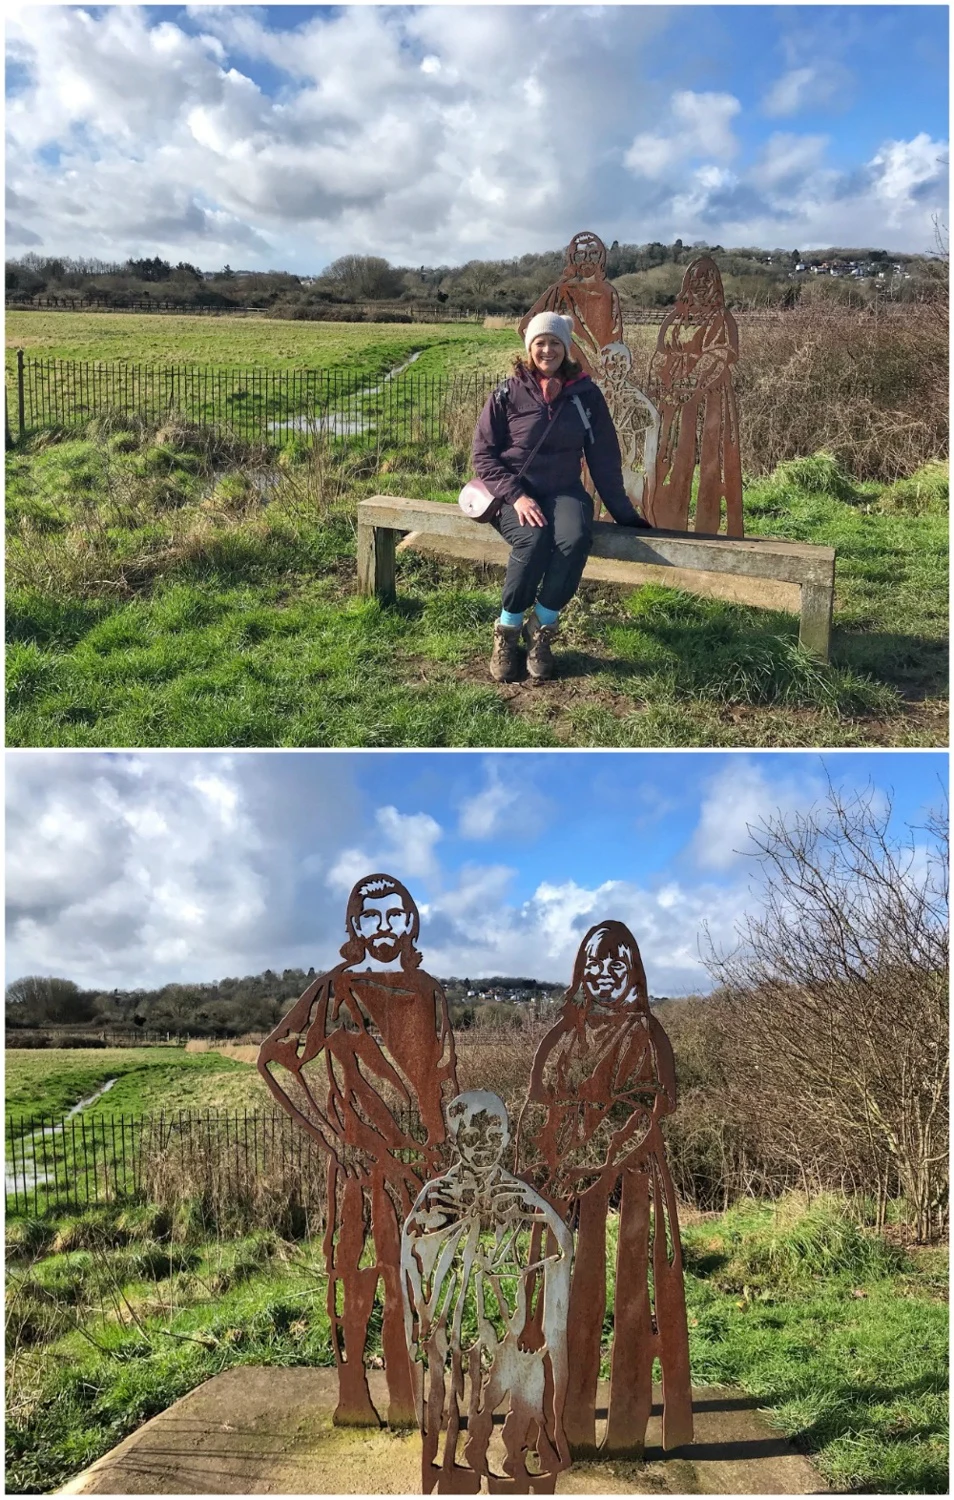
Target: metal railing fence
<point>256,404</point>
<point>75,1162</point>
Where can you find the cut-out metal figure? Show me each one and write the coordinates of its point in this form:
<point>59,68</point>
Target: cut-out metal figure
<point>635,418</point>
<point>584,294</point>
<point>485,1271</point>
<point>377,1033</point>
<point>691,383</point>
<point>602,1079</point>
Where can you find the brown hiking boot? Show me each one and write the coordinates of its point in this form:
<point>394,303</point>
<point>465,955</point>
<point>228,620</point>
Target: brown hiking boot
<point>505,664</point>
<point>539,640</point>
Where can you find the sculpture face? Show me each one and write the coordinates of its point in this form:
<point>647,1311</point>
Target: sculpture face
<point>617,360</point>
<point>702,285</point>
<point>383,923</point>
<point>607,979</point>
<point>586,255</point>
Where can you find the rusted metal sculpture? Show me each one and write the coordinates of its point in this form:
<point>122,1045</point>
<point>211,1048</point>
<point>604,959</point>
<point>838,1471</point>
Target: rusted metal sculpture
<point>584,294</point>
<point>635,418</point>
<point>691,383</point>
<point>377,1031</point>
<point>485,1271</point>
<point>602,1079</point>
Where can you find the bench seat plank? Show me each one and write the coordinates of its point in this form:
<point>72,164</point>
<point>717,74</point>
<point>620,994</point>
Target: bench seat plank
<point>764,593</point>
<point>768,570</point>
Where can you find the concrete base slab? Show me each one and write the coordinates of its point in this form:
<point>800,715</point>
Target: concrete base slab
<point>264,1431</point>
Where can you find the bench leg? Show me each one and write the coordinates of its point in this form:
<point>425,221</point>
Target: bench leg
<point>814,630</point>
<point>376,574</point>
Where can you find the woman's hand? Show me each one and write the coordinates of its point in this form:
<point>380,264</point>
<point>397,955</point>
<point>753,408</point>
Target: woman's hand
<point>529,512</point>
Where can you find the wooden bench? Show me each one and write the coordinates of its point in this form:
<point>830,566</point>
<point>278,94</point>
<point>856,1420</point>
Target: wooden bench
<point>795,576</point>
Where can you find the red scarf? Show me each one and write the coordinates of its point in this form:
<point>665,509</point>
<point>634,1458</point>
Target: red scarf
<point>550,385</point>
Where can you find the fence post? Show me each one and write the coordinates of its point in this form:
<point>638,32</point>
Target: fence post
<point>20,401</point>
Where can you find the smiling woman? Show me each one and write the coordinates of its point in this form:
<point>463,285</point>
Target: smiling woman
<point>531,439</point>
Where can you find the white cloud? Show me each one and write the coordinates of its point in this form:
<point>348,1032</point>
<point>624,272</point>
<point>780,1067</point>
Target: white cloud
<point>808,87</point>
<point>392,132</point>
<point>700,125</point>
<point>432,134</point>
<point>405,847</point>
<point>509,803</point>
<point>142,869</point>
<point>787,159</point>
<point>740,797</point>
<point>901,168</point>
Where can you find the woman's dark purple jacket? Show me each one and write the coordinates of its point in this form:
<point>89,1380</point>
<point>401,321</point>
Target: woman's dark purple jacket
<point>510,425</point>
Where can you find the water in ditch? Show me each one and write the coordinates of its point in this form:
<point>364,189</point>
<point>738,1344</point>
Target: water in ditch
<point>336,423</point>
<point>29,1173</point>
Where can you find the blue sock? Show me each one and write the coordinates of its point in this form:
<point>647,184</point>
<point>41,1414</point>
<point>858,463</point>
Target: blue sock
<point>546,616</point>
<point>512,621</point>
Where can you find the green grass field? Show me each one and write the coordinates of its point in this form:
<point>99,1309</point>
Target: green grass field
<point>47,1082</point>
<point>160,591</point>
<point>112,1316</point>
<point>363,348</point>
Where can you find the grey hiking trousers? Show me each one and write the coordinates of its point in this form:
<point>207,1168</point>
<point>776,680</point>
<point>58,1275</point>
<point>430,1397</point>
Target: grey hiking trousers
<point>546,562</point>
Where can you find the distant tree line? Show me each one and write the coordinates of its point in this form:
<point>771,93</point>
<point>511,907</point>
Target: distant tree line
<point>645,275</point>
<point>229,1007</point>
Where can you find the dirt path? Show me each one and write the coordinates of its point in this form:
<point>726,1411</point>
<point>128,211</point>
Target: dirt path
<point>264,1431</point>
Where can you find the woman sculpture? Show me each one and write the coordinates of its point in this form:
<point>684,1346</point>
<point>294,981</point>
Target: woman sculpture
<point>691,383</point>
<point>605,1076</point>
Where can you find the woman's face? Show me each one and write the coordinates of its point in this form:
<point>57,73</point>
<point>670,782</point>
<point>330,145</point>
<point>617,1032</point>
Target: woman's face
<point>547,353</point>
<point>607,980</point>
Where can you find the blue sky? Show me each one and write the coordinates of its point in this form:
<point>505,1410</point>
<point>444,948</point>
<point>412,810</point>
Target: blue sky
<point>138,869</point>
<point>283,136</point>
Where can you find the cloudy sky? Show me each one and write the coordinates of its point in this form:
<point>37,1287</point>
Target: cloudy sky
<point>137,869</point>
<point>284,136</point>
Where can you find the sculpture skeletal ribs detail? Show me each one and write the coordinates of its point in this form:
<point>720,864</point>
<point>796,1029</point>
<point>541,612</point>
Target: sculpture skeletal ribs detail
<point>687,409</point>
<point>480,1312</point>
<point>480,1241</point>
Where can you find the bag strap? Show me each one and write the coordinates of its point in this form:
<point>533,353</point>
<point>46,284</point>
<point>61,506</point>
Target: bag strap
<point>541,440</point>
<point>583,418</point>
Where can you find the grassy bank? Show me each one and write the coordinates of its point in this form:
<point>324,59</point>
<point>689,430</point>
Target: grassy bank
<point>165,588</point>
<point>117,1313</point>
<point>48,1082</point>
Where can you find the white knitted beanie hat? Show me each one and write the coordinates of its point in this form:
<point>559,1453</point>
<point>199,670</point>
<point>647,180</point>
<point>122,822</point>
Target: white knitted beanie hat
<point>550,322</point>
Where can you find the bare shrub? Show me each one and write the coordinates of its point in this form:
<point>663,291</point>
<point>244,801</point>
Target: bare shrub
<point>832,1012</point>
<point>871,390</point>
<point>272,1176</point>
<point>488,1058</point>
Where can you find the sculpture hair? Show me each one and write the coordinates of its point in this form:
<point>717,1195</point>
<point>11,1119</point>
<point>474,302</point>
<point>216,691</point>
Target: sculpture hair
<point>353,947</point>
<point>611,937</point>
<point>704,268</point>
